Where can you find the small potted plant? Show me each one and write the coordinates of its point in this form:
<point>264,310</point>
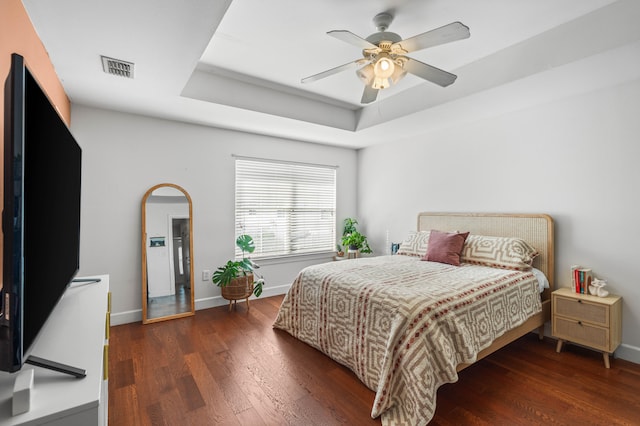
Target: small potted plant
<point>236,277</point>
<point>353,239</point>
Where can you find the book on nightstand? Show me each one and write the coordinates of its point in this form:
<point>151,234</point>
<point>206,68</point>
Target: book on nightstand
<point>581,279</point>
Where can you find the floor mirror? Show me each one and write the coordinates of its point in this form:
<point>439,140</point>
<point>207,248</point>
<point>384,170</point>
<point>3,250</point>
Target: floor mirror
<point>167,250</point>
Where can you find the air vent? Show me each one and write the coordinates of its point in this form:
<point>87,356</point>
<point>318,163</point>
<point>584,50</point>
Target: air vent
<point>117,67</point>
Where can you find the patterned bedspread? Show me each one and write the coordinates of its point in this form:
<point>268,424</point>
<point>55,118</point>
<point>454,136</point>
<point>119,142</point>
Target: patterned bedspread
<point>403,325</point>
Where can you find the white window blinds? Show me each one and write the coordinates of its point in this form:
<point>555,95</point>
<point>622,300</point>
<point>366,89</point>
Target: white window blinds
<point>288,208</point>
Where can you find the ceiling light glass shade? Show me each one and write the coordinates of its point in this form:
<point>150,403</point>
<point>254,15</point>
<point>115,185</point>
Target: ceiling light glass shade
<point>366,74</point>
<point>384,66</point>
<point>381,83</point>
<point>398,73</point>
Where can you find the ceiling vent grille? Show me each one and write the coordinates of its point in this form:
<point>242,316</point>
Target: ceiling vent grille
<point>117,67</point>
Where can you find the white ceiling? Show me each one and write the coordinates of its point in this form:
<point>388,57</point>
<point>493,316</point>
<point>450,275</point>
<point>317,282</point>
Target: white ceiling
<point>238,64</point>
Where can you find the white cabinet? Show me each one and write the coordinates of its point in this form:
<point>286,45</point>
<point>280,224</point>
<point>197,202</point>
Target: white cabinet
<point>75,334</point>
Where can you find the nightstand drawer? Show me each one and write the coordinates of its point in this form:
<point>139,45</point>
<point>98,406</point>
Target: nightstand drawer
<point>581,333</point>
<point>582,310</point>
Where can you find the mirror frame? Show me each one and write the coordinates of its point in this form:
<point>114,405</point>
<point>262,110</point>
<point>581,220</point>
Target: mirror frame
<point>192,312</point>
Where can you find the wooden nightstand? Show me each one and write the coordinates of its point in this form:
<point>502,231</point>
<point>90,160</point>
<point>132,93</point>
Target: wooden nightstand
<point>595,322</point>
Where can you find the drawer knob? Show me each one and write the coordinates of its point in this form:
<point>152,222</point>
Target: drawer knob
<point>579,301</point>
<point>579,322</point>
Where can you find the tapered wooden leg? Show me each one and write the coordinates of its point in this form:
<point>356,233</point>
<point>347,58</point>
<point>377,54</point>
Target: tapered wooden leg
<point>248,307</point>
<point>230,304</point>
<point>559,346</point>
<point>541,332</point>
<point>605,356</point>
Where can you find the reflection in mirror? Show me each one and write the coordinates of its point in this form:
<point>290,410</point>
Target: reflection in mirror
<point>167,249</point>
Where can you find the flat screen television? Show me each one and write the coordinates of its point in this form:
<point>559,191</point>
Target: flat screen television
<point>41,216</point>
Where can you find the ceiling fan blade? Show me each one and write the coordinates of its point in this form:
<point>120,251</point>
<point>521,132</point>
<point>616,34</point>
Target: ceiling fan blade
<point>430,73</point>
<point>451,32</point>
<point>351,38</point>
<point>331,71</point>
<point>369,95</point>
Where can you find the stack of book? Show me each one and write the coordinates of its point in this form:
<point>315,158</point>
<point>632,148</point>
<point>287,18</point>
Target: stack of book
<point>581,279</point>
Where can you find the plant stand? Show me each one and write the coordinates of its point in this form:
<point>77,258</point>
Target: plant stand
<point>239,288</point>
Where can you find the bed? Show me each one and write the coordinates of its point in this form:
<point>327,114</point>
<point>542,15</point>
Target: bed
<point>405,326</point>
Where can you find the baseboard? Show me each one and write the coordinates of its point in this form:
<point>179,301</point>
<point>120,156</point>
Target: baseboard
<point>628,353</point>
<point>126,317</point>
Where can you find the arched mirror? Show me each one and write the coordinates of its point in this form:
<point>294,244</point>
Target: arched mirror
<point>167,249</point>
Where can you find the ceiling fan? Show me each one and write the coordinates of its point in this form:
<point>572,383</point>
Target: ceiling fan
<point>384,61</point>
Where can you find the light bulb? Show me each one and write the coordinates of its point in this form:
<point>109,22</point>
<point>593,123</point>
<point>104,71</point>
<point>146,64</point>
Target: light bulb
<point>384,67</point>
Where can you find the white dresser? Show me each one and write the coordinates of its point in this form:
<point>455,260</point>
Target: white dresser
<point>75,334</point>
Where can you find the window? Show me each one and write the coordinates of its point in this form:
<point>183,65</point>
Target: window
<point>288,208</point>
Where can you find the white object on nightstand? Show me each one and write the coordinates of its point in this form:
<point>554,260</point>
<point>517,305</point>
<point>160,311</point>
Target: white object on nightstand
<point>22,388</point>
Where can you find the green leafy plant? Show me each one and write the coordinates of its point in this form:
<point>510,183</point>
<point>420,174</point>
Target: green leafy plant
<point>352,238</point>
<point>223,276</point>
<point>349,226</point>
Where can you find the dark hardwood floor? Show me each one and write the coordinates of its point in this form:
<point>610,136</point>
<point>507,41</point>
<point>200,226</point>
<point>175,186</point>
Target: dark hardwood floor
<point>229,368</point>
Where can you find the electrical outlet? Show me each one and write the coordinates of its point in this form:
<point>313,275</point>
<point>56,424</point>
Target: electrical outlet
<point>206,275</point>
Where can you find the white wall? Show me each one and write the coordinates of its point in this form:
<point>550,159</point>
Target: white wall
<point>575,159</point>
<point>124,155</point>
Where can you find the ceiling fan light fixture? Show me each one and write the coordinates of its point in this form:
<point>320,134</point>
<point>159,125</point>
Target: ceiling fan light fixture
<point>384,66</point>
<point>383,73</point>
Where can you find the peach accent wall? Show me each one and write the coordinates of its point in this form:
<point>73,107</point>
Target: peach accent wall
<point>17,35</point>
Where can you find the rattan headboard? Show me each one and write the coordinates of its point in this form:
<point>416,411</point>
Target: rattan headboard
<point>536,229</point>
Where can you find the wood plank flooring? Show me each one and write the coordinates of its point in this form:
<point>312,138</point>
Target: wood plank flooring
<point>233,368</point>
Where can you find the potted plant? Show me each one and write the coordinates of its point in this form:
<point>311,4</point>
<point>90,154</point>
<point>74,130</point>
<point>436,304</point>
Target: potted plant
<point>236,277</point>
<point>352,238</point>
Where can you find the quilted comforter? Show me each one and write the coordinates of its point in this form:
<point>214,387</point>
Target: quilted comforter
<point>402,325</point>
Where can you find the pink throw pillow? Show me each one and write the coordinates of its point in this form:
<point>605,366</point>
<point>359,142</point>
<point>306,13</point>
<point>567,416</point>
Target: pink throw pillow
<point>445,247</point>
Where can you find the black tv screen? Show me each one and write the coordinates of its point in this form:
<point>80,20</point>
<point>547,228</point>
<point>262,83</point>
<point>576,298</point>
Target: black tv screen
<point>41,217</point>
